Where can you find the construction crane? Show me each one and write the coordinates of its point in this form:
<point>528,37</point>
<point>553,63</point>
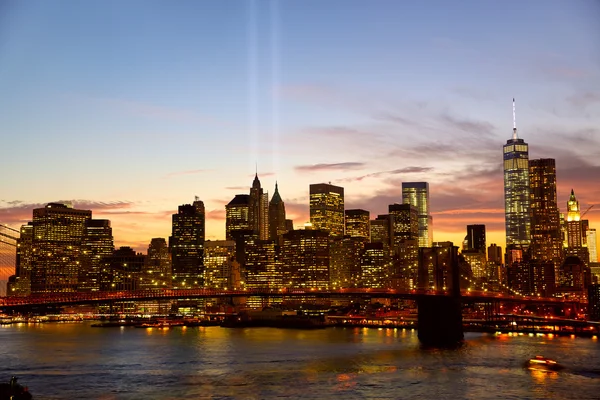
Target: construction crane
<point>586,211</point>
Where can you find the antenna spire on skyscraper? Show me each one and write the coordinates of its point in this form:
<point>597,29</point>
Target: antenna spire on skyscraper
<point>515,136</point>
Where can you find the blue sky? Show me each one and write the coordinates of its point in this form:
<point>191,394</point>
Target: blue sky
<point>132,108</point>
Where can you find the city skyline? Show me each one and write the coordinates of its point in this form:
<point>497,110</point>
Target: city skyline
<point>131,121</point>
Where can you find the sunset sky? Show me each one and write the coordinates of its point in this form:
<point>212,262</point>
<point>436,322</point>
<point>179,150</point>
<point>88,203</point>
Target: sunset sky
<point>133,108</point>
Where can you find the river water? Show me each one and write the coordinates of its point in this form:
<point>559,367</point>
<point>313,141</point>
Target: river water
<point>75,361</point>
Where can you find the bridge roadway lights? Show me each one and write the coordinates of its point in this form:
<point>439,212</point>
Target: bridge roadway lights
<point>440,321</point>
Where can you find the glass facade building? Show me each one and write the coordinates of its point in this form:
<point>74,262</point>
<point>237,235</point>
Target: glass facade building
<point>516,191</point>
<point>417,195</point>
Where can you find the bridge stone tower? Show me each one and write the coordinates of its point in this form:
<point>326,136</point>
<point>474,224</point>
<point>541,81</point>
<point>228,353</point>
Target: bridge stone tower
<point>440,317</point>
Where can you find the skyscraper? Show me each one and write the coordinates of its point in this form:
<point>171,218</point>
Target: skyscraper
<point>236,215</point>
<point>374,265</point>
<point>546,240</point>
<point>357,224</point>
<point>381,231</point>
<point>58,232</point>
<point>574,226</point>
<point>417,195</point>
<point>475,239</point>
<point>516,189</point>
<point>327,208</point>
<point>97,244</point>
<point>187,245</point>
<point>305,258</point>
<point>405,223</point>
<point>276,216</point>
<point>344,261</point>
<point>219,257</point>
<point>592,242</point>
<point>576,237</point>
<point>258,210</point>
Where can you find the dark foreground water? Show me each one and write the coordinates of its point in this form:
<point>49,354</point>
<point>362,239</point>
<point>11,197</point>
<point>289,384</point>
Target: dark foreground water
<point>75,361</point>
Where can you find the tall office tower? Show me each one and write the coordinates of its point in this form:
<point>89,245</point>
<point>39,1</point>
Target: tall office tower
<point>58,232</point>
<point>417,195</point>
<point>219,256</point>
<point>576,239</point>
<point>475,239</point>
<point>516,189</point>
<point>157,271</point>
<point>122,270</point>
<point>546,239</point>
<point>381,230</point>
<point>374,265</point>
<point>24,262</point>
<point>357,224</point>
<point>344,262</point>
<point>187,245</point>
<point>258,210</point>
<point>327,208</point>
<point>236,215</point>
<point>305,258</point>
<point>574,226</point>
<point>405,223</point>
<point>263,269</point>
<point>405,243</point>
<point>592,242</point>
<point>277,225</point>
<point>97,244</point>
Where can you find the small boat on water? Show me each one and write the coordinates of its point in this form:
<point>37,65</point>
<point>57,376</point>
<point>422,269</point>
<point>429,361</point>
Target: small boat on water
<point>14,391</point>
<point>160,324</point>
<point>540,363</point>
